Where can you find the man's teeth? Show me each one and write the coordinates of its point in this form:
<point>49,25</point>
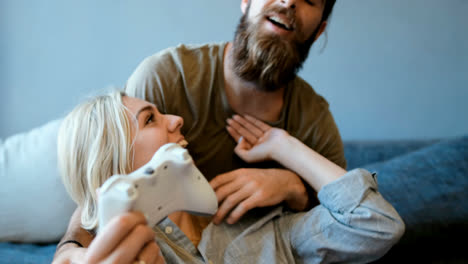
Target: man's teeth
<point>183,143</point>
<point>281,22</point>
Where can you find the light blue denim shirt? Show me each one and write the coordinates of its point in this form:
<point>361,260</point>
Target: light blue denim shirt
<point>352,224</point>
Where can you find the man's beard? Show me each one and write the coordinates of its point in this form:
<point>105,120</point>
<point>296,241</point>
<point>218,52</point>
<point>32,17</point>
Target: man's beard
<point>267,59</point>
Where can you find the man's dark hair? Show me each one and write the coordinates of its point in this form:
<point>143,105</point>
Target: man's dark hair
<point>328,9</point>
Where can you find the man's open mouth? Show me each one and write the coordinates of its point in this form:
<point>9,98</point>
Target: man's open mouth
<point>280,22</point>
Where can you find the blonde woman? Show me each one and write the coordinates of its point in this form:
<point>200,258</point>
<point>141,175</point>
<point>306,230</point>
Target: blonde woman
<point>117,134</point>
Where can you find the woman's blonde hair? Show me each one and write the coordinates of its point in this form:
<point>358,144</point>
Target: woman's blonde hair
<point>94,143</point>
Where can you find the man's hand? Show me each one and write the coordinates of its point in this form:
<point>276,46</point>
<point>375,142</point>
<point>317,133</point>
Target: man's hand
<point>125,239</point>
<point>241,190</point>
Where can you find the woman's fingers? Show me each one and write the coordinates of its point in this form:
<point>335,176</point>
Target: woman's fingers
<point>247,153</point>
<point>234,134</point>
<point>250,126</point>
<point>129,249</point>
<point>245,133</point>
<point>160,259</point>
<point>247,127</point>
<point>253,138</point>
<point>112,235</point>
<point>257,123</point>
<point>241,143</point>
<point>150,253</point>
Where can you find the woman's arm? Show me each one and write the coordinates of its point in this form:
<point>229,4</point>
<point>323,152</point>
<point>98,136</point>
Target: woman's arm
<point>353,222</point>
<point>71,252</point>
<point>258,141</point>
<point>315,169</point>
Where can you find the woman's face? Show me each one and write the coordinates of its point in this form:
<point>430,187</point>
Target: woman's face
<point>154,129</point>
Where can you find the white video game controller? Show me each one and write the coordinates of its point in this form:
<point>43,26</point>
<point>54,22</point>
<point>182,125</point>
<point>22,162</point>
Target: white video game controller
<point>169,182</point>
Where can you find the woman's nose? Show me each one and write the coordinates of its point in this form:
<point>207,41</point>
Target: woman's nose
<point>175,122</point>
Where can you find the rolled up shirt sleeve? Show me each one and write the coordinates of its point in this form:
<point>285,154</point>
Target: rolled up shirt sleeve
<point>353,223</point>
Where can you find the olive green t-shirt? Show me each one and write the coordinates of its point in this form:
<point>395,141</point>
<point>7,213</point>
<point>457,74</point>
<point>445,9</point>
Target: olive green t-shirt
<point>188,81</point>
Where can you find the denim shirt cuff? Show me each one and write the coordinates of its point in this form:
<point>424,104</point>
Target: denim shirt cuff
<point>346,193</point>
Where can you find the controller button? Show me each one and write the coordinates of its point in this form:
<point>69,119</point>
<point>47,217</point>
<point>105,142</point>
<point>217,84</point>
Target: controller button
<point>168,229</point>
<point>149,170</point>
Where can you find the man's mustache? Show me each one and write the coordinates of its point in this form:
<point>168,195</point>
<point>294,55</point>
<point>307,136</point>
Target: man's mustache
<point>289,13</point>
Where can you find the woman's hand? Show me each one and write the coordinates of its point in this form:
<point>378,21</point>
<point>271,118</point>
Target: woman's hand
<point>125,239</point>
<point>257,141</point>
<point>70,254</point>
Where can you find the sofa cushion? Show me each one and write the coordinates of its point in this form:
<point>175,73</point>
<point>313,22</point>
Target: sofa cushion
<point>26,253</point>
<point>432,177</point>
<point>428,187</point>
<point>363,152</point>
<point>34,206</point>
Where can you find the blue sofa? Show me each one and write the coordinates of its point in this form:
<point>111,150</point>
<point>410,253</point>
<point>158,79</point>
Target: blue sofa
<point>432,242</point>
<point>432,224</point>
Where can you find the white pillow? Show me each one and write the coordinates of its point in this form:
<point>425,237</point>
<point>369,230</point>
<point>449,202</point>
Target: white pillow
<point>34,206</point>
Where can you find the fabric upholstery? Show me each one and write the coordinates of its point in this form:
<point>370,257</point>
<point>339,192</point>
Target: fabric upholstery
<point>34,206</point>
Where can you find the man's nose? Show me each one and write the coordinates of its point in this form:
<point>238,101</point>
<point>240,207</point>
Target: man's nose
<point>289,3</point>
<point>175,122</point>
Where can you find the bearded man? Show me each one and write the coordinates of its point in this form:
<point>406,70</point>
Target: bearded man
<point>208,85</point>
